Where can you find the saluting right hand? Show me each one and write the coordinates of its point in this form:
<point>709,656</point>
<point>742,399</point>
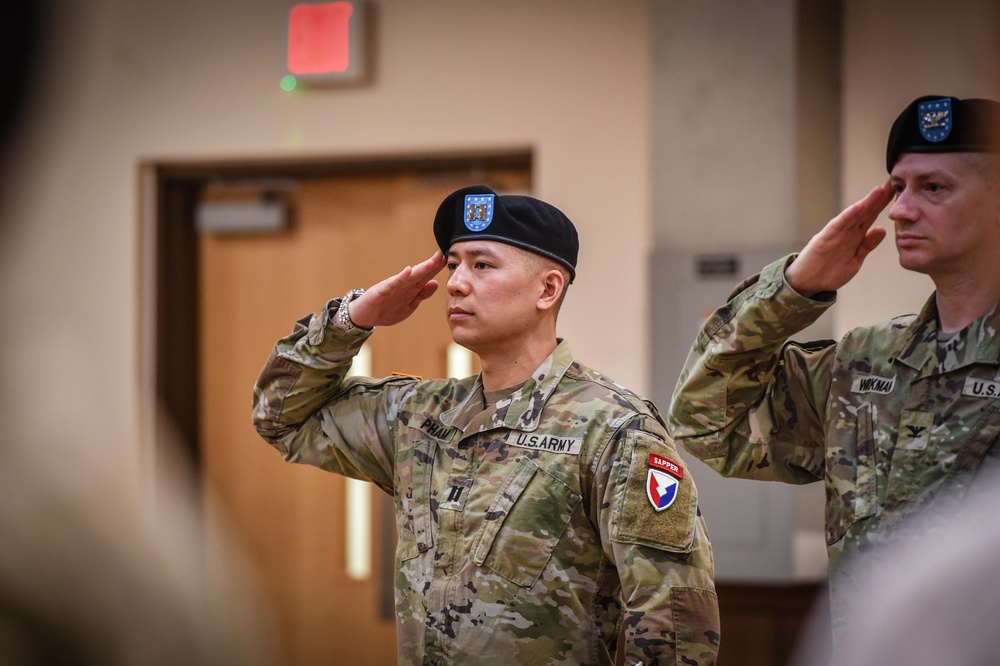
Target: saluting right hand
<point>394,299</point>
<point>834,255</point>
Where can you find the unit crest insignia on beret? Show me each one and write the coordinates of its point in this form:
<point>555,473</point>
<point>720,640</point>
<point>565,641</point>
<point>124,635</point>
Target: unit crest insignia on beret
<point>478,211</point>
<point>935,119</point>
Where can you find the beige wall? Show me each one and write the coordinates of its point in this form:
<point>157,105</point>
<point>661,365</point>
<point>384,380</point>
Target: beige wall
<point>724,97</point>
<point>133,80</point>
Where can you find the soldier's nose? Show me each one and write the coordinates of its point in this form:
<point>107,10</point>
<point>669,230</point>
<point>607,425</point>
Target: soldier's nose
<point>456,282</point>
<point>902,207</point>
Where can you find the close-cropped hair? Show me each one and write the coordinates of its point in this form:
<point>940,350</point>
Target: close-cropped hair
<point>536,263</point>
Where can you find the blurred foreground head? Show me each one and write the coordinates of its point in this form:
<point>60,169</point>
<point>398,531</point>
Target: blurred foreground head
<point>94,568</point>
<point>21,36</point>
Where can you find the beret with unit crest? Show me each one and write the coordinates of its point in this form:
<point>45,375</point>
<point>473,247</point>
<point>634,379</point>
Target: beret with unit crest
<point>935,124</point>
<point>478,213</point>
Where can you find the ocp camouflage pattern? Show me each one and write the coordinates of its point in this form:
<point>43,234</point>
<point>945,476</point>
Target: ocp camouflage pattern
<point>880,416</point>
<point>525,535</point>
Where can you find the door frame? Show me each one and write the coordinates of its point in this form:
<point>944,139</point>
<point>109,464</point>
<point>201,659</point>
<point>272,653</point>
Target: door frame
<point>168,277</point>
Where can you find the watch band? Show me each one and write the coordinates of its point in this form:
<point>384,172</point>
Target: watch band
<point>342,319</point>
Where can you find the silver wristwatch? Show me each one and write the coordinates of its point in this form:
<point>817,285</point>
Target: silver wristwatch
<point>342,319</point>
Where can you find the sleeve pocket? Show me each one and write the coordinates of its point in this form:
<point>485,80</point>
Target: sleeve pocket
<point>634,518</point>
<point>696,624</point>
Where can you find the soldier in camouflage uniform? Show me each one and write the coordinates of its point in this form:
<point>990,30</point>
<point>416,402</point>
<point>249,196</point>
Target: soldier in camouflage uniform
<point>541,509</point>
<point>893,418</point>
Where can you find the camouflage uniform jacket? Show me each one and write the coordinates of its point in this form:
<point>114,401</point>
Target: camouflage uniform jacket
<point>525,534</point>
<point>881,417</point>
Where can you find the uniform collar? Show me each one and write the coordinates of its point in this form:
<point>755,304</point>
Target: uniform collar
<point>920,349</point>
<point>523,409</point>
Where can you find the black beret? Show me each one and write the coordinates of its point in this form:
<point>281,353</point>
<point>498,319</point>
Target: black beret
<point>935,124</point>
<point>478,213</point>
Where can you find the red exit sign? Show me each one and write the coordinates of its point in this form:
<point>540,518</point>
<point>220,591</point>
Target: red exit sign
<point>326,42</point>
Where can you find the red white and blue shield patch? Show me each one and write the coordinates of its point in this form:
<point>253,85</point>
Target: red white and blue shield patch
<point>661,489</point>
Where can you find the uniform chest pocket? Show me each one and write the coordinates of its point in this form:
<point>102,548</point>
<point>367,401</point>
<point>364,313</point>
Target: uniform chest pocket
<point>851,488</point>
<point>914,465</point>
<point>524,523</point>
<point>413,501</point>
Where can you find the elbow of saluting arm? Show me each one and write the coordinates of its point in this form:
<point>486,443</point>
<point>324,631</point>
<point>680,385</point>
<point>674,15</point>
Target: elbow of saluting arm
<point>302,372</point>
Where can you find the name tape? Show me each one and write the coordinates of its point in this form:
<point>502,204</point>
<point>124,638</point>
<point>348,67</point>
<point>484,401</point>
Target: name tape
<point>981,388</point>
<point>873,384</point>
<point>550,443</point>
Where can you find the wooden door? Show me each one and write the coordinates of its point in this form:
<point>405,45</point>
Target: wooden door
<point>347,232</point>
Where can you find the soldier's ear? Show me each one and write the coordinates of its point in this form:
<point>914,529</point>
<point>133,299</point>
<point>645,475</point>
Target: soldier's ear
<point>553,282</point>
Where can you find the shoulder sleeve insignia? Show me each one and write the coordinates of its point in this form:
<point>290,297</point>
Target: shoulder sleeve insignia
<point>661,489</point>
<point>647,484</point>
<point>662,481</point>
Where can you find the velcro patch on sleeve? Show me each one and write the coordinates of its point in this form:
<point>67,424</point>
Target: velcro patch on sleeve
<point>655,500</point>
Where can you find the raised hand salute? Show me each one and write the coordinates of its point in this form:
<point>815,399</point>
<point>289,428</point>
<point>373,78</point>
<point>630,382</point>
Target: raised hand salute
<point>394,299</point>
<point>835,254</point>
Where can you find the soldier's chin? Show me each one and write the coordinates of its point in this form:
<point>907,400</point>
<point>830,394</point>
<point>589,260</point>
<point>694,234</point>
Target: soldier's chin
<point>462,336</point>
<point>913,262</point>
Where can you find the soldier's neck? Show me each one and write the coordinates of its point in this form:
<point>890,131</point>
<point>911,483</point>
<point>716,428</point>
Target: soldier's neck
<point>511,365</point>
<point>960,302</point>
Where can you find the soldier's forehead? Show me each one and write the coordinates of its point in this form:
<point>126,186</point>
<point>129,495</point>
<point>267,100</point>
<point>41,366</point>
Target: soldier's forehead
<point>478,247</point>
<point>922,164</point>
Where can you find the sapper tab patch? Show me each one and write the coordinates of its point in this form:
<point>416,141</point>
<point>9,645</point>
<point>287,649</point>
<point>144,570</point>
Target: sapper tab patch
<point>666,464</point>
<point>478,211</point>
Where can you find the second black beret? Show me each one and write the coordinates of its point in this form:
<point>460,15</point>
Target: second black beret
<point>935,124</point>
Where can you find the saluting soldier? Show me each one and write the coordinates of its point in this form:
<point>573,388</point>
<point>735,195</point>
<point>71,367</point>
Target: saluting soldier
<point>897,418</point>
<point>541,509</point>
